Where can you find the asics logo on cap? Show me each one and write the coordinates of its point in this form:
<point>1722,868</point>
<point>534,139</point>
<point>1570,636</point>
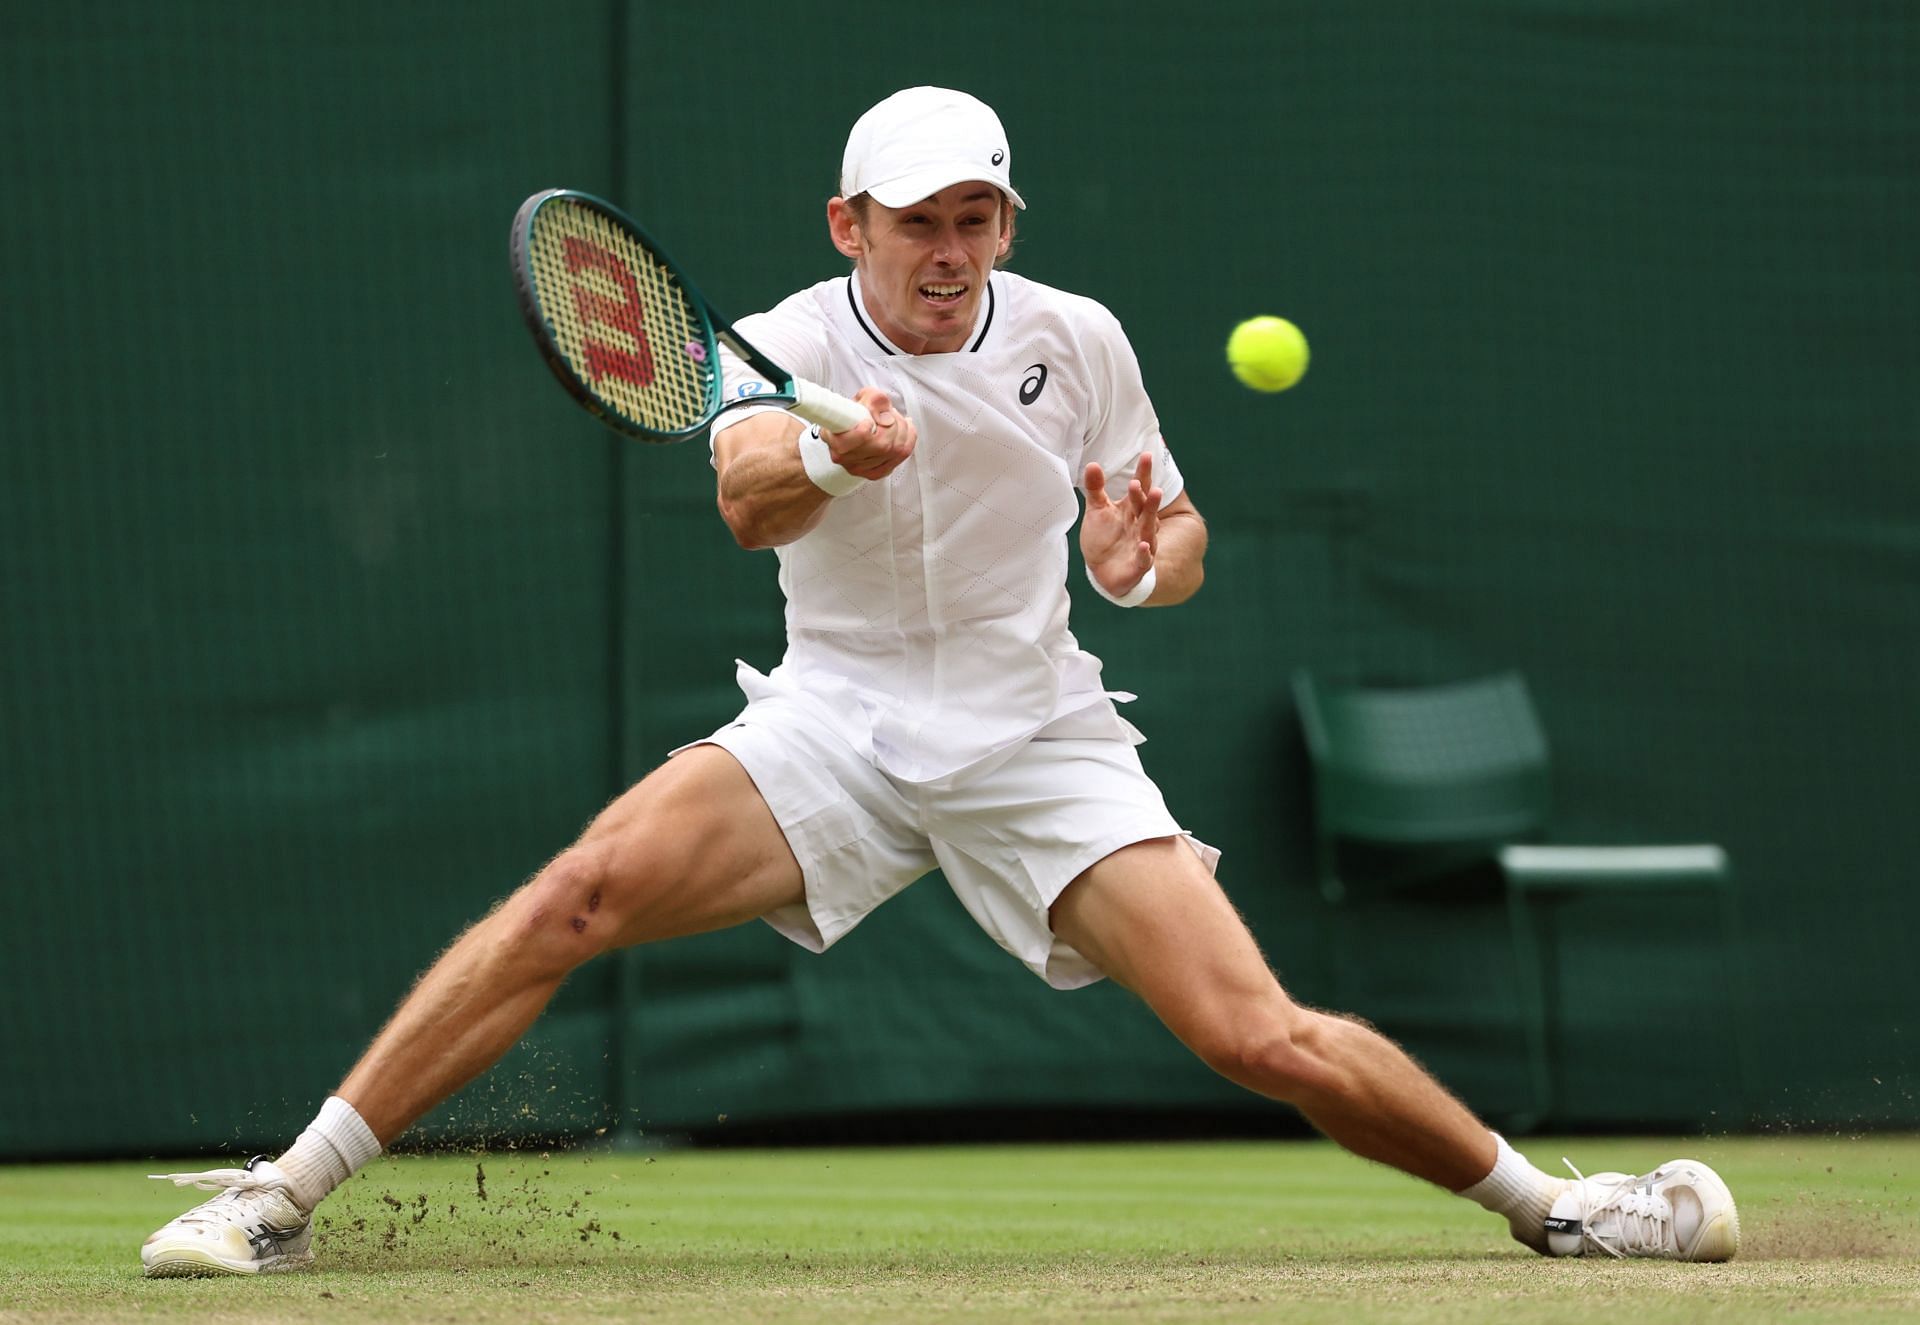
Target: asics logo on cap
<point>998,156</point>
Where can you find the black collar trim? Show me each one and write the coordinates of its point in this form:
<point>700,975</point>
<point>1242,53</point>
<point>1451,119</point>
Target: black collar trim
<point>860,316</point>
<point>987,322</point>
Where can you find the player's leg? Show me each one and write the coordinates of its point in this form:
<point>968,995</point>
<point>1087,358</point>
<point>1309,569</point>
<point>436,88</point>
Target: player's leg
<point>1152,918</point>
<point>693,847</point>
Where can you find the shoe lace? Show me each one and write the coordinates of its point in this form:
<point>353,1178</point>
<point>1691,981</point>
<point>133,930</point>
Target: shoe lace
<point>234,1185</point>
<point>1643,1222</point>
<point>215,1180</point>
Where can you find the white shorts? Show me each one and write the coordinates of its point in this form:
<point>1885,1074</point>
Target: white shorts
<point>1008,841</point>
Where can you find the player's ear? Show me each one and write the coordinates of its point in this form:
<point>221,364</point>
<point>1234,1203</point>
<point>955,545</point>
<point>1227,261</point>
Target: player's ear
<point>843,225</point>
<point>1006,227</point>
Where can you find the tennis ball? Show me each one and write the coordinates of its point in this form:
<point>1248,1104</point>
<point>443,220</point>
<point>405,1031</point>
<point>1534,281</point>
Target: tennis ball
<point>1267,353</point>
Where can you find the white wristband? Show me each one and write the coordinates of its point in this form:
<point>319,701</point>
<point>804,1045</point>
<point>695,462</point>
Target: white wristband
<point>1132,597</point>
<point>822,468</point>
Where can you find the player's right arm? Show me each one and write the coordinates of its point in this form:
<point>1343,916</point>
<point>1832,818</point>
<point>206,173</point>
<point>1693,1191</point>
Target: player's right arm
<point>766,495</point>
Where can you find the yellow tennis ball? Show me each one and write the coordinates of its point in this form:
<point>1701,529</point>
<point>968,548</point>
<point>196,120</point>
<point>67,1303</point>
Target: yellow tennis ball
<point>1267,353</point>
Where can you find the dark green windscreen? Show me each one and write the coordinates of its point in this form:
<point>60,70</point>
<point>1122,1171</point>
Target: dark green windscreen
<point>326,618</point>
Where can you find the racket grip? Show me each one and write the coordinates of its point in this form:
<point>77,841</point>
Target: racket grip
<point>829,409</point>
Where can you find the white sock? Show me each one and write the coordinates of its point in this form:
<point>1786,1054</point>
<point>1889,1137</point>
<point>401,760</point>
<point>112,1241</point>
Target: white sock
<point>336,1145</point>
<point>1517,1190</point>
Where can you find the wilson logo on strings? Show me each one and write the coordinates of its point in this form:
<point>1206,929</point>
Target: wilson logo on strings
<point>624,314</point>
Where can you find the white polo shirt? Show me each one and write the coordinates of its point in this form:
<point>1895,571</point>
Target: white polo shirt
<point>927,611</point>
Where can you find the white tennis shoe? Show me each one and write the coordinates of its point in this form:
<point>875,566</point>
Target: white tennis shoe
<point>254,1226</point>
<point>1681,1211</point>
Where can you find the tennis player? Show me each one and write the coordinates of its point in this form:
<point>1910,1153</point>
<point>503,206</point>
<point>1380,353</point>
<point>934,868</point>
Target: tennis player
<point>934,710</point>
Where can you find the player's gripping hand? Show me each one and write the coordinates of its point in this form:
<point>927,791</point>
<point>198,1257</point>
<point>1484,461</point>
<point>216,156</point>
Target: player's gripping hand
<point>876,448</point>
<point>1118,538</point>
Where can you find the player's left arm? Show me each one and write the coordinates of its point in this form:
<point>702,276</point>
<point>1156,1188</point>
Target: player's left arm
<point>1124,537</point>
<point>1127,531</point>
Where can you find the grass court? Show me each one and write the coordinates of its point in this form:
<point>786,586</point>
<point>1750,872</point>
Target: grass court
<point>1257,1231</point>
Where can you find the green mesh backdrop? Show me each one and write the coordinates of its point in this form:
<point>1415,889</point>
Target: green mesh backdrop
<point>326,619</point>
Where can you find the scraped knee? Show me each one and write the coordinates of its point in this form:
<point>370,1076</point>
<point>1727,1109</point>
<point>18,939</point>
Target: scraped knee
<point>560,918</point>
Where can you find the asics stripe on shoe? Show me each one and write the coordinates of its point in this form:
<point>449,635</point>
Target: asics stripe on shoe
<point>253,1226</point>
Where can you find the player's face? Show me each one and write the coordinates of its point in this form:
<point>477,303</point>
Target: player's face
<point>924,268</point>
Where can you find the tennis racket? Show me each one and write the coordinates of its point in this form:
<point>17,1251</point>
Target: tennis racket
<point>626,332</point>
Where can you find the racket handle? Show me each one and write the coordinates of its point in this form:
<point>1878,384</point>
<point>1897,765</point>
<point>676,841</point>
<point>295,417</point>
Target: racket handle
<point>829,409</point>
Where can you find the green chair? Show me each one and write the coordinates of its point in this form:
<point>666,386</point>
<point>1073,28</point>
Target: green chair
<point>1434,779</point>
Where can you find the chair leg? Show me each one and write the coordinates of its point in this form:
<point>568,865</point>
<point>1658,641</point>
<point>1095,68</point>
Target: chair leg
<point>1530,976</point>
<point>1737,1003</point>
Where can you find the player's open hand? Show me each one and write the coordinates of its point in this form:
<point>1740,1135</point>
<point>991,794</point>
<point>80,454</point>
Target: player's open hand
<point>1118,538</point>
<point>876,448</point>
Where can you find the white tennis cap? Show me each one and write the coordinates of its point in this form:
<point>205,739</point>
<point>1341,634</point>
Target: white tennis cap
<point>922,140</point>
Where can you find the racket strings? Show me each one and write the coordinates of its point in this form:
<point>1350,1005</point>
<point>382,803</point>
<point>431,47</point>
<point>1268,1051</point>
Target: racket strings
<point>620,319</point>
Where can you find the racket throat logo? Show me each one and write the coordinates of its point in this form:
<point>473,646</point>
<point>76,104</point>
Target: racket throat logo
<point>624,314</point>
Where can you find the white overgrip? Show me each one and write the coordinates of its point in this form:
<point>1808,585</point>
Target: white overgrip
<point>829,409</point>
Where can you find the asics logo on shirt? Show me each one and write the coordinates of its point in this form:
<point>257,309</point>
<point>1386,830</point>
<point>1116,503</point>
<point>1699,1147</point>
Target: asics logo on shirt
<point>1034,384</point>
